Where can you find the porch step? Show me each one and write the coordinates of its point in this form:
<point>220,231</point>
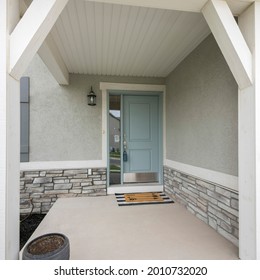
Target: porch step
<point>130,188</point>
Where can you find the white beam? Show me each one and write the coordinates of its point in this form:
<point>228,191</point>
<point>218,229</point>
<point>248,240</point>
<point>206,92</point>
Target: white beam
<point>24,4</point>
<point>237,6</point>
<point>51,56</point>
<point>31,31</point>
<point>230,41</point>
<point>249,144</point>
<point>179,5</point>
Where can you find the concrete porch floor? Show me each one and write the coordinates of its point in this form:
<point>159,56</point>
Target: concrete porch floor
<point>98,229</point>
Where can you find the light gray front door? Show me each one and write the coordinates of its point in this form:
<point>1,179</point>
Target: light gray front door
<point>141,139</point>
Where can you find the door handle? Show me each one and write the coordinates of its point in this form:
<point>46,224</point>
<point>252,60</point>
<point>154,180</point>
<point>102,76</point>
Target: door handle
<point>125,157</point>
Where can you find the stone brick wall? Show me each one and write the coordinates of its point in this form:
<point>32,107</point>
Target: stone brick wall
<point>214,204</point>
<point>39,189</point>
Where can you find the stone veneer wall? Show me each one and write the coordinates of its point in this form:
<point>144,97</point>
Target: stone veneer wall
<point>39,189</point>
<point>214,204</point>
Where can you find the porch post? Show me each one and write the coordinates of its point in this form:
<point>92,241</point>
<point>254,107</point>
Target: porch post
<point>20,40</point>
<point>9,139</point>
<point>3,19</point>
<point>249,143</point>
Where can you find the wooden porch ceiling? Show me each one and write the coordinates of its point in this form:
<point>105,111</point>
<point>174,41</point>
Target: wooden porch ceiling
<point>127,38</point>
<point>113,39</point>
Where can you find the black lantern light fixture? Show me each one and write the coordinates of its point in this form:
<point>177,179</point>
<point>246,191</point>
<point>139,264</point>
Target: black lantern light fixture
<point>92,98</point>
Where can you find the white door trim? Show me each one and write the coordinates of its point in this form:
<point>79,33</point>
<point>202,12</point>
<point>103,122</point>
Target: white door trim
<point>134,189</point>
<point>105,87</point>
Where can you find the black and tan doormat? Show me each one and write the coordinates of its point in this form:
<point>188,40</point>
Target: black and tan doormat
<point>130,199</point>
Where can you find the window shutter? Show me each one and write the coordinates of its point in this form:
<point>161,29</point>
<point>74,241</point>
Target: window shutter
<point>25,116</point>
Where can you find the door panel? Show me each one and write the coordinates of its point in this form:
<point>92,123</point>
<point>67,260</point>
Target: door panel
<point>139,130</point>
<point>140,160</point>
<point>141,136</point>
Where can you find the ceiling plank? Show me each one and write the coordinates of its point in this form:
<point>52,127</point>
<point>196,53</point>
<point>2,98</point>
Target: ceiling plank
<point>121,35</point>
<point>61,39</point>
<point>230,41</point>
<point>107,37</point>
<point>91,33</point>
<point>127,39</point>
<point>70,18</point>
<point>30,33</point>
<point>84,36</point>
<point>51,57</point>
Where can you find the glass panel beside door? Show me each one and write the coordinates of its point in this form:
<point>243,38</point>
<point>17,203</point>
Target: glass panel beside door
<point>115,139</point>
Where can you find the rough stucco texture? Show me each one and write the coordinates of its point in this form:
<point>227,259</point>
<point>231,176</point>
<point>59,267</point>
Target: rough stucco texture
<point>62,126</point>
<point>202,111</point>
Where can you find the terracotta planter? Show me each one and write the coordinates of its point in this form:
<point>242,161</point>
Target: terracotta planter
<point>51,246</point>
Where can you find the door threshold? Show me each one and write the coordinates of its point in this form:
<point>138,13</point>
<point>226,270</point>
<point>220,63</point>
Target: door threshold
<point>134,188</point>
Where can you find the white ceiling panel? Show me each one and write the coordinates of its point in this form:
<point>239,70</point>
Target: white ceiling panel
<point>112,39</point>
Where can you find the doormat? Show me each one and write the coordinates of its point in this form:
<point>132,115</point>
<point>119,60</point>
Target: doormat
<point>130,199</point>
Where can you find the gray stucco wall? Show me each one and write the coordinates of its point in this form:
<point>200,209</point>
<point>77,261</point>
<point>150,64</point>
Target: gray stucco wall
<point>202,111</point>
<point>62,126</point>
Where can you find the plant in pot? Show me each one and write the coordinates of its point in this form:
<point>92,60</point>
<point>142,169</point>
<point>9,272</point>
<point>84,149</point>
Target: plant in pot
<point>51,246</point>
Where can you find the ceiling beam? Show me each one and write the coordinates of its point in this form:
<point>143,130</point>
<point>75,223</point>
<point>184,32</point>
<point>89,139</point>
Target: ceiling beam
<point>179,5</point>
<point>237,6</point>
<point>30,33</point>
<point>24,4</point>
<point>50,53</point>
<point>230,40</point>
<point>52,58</point>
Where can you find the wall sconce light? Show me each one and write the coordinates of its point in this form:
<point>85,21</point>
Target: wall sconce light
<point>92,98</point>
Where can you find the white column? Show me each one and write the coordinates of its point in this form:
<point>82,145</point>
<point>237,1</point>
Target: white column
<point>3,19</point>
<point>257,90</point>
<point>249,143</point>
<point>9,140</point>
<point>12,168</point>
<point>20,40</point>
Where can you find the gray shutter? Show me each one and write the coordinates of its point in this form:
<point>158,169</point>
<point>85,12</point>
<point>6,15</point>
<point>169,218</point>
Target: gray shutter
<point>25,115</point>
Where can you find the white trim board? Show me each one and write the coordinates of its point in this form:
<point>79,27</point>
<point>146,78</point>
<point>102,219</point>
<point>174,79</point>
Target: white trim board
<point>237,6</point>
<point>226,180</point>
<point>52,165</point>
<point>105,87</point>
<point>126,86</point>
<point>134,189</point>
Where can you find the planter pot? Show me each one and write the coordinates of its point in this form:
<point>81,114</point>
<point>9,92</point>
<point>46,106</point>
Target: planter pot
<point>51,246</point>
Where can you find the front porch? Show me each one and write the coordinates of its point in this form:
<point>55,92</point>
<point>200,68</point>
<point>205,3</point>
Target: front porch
<point>210,122</point>
<point>98,229</point>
